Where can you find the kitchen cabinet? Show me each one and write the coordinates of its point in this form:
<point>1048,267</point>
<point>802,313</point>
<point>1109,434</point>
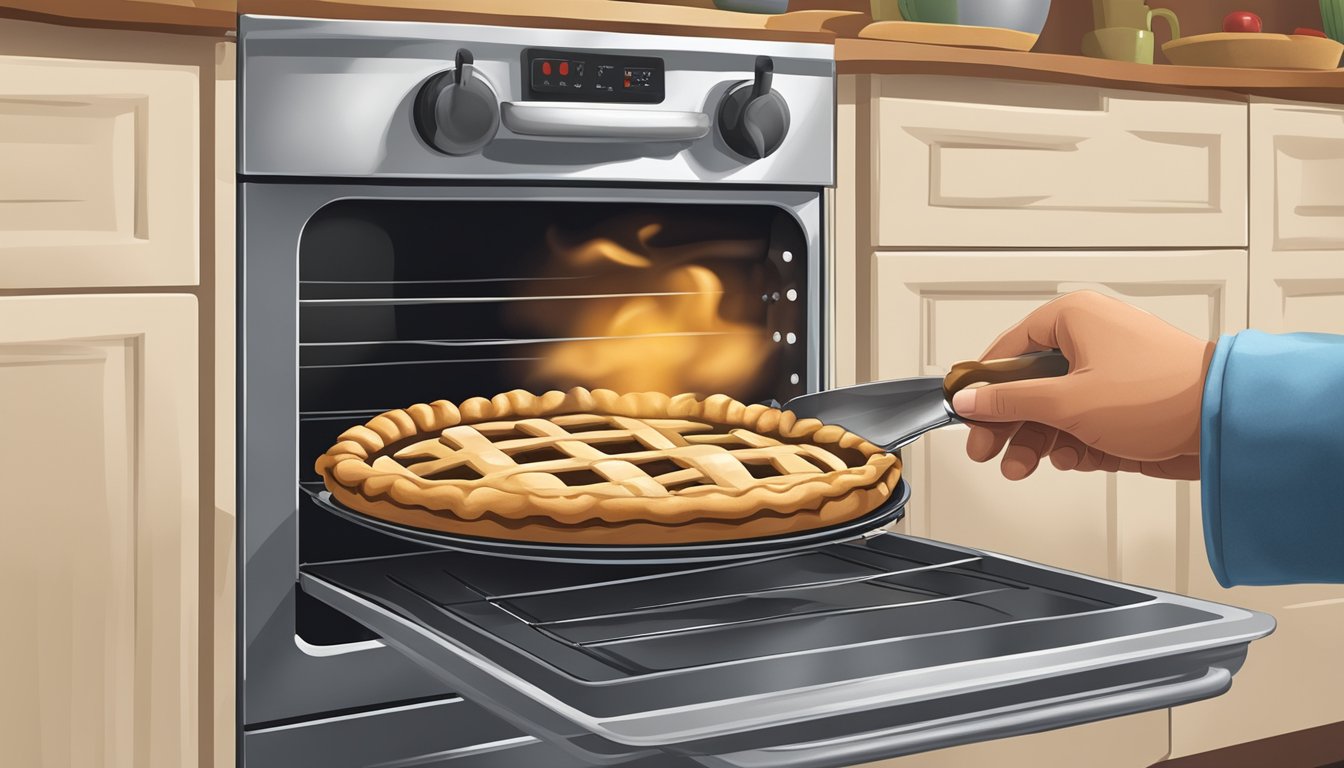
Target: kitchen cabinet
<point>100,143</point>
<point>109,142</point>
<point>969,162</point>
<point>99,536</point>
<point>1292,678</point>
<point>945,165</point>
<point>938,308</point>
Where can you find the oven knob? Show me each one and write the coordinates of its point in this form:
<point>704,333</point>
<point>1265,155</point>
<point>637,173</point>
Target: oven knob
<point>456,111</point>
<point>752,118</point>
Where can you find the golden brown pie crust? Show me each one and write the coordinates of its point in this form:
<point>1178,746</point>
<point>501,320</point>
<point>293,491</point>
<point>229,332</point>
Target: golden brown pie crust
<point>642,468</point>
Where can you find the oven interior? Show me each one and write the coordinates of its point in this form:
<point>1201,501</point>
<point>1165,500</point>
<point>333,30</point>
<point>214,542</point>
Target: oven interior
<point>408,301</point>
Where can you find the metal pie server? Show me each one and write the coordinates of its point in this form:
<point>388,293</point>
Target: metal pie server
<point>896,412</point>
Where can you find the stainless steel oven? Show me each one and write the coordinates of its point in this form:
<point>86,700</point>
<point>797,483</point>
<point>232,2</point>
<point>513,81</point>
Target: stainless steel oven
<point>436,211</point>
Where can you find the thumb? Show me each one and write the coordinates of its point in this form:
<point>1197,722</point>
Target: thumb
<point>1043,401</point>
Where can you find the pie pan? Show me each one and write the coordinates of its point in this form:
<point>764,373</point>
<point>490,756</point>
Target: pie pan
<point>890,511</point>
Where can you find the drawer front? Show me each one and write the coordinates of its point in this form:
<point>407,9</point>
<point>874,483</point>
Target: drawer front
<point>1297,164</point>
<point>101,158</point>
<point>968,163</point>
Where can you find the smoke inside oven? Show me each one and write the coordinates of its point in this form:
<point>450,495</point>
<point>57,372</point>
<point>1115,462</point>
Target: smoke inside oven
<point>676,313</point>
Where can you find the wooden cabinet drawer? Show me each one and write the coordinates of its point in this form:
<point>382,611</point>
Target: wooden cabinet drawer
<point>939,308</point>
<point>965,162</point>
<point>101,160</point>
<point>1297,172</point>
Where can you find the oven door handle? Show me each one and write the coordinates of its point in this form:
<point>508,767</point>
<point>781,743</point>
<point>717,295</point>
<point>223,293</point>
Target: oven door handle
<point>532,118</point>
<point>905,740</point>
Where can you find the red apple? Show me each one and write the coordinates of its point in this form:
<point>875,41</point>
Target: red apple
<point>1241,21</point>
<point>1309,31</point>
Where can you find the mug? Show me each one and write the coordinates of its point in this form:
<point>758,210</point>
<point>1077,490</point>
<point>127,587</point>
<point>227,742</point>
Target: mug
<point>1120,44</point>
<point>1132,13</point>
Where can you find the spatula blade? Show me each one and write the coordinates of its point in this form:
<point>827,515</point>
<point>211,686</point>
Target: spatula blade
<point>887,413</point>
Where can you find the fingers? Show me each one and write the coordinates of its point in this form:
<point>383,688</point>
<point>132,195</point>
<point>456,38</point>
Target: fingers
<point>1044,401</point>
<point>1028,443</point>
<point>1024,452</point>
<point>1034,333</point>
<point>1178,468</point>
<point>986,440</point>
<point>1067,452</point>
<point>1184,467</point>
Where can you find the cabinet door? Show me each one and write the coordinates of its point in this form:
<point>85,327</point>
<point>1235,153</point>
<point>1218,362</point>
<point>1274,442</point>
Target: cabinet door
<point>98,538</point>
<point>972,162</point>
<point>934,309</point>
<point>100,151</point>
<point>1293,678</point>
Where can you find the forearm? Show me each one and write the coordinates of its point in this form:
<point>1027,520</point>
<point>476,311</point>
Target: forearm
<point>1272,459</point>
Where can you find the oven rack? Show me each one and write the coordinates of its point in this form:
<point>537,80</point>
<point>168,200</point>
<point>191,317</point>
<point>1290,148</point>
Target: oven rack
<point>408,301</point>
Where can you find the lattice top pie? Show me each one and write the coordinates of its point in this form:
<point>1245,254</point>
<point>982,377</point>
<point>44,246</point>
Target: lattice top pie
<point>598,467</point>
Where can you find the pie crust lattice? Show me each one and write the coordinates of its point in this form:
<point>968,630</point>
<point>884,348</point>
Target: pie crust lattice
<point>597,467</point>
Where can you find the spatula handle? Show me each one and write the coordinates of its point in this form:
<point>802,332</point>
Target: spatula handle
<point>1033,365</point>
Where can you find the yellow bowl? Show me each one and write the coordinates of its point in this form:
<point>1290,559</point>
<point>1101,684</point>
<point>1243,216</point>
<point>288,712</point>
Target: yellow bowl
<point>1254,50</point>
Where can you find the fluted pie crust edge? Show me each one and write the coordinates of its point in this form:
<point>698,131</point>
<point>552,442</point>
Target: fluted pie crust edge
<point>362,473</point>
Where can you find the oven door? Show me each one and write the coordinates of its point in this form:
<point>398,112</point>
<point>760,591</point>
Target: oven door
<point>850,652</point>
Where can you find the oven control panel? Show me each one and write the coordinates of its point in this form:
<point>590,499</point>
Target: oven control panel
<point>552,75</point>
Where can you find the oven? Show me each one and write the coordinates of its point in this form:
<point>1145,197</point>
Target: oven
<point>432,211</point>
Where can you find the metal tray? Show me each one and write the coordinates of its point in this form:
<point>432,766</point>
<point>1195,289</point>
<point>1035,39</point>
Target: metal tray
<point>892,510</point>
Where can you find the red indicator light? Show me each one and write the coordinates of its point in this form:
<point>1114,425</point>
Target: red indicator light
<point>545,67</point>
<point>564,67</point>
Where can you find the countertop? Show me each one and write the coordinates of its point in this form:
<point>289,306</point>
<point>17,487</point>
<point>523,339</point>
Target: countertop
<point>856,56</point>
<point>192,16</point>
<point>853,55</point>
<point>220,16</point>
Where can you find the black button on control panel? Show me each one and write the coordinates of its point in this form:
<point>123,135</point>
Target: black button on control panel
<point>579,76</point>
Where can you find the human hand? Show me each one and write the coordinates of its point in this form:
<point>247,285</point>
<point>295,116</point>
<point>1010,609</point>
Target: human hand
<point>1130,401</point>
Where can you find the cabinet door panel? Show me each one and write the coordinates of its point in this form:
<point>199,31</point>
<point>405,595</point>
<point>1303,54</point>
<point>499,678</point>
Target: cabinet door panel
<point>937,308</point>
<point>968,162</point>
<point>101,158</point>
<point>1297,170</point>
<point>98,543</point>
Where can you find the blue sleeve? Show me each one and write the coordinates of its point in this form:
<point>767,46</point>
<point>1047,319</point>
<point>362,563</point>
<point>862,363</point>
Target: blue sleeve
<point>1272,459</point>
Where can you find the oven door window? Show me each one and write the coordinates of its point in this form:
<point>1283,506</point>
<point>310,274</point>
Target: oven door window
<point>410,301</point>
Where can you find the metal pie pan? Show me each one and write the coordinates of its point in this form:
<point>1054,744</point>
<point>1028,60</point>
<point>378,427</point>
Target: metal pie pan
<point>890,511</point>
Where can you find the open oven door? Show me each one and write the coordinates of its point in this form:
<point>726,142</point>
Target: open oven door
<point>840,654</point>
